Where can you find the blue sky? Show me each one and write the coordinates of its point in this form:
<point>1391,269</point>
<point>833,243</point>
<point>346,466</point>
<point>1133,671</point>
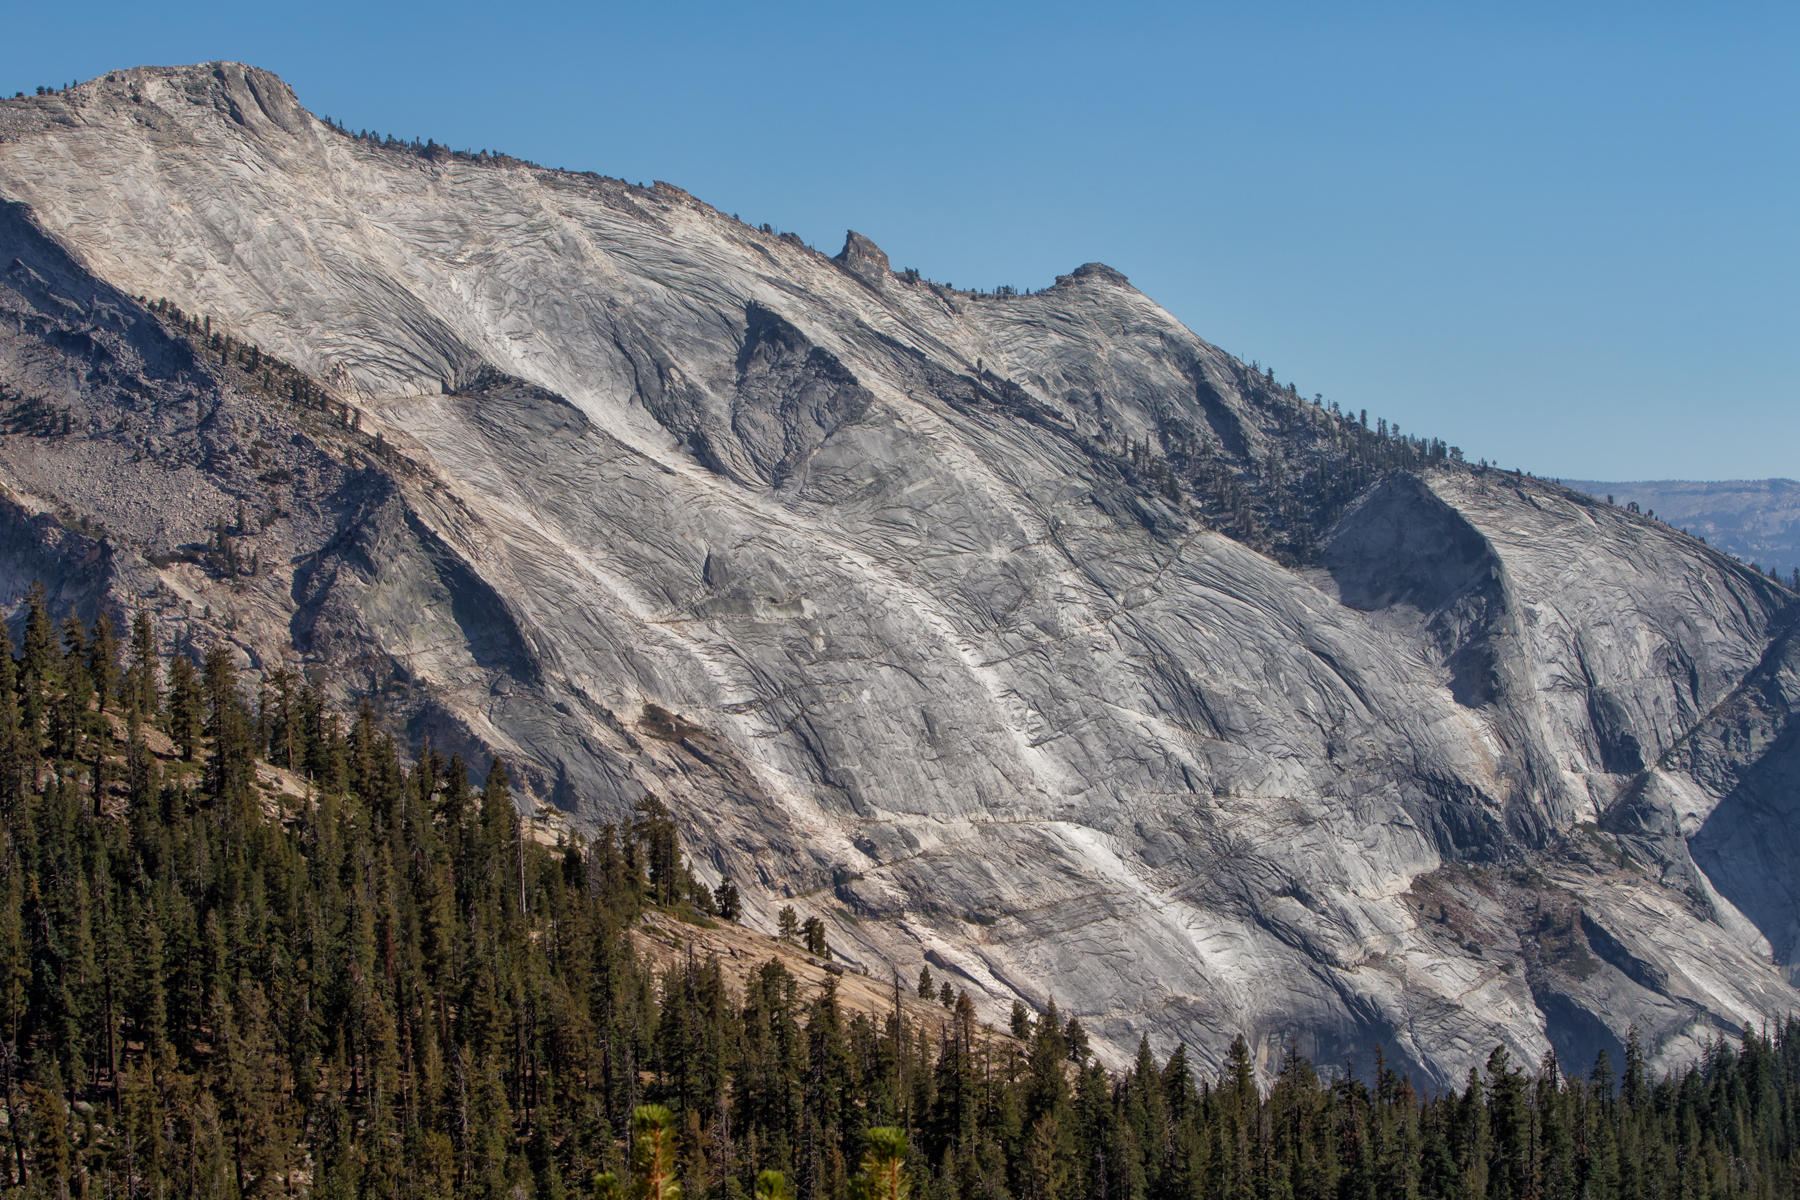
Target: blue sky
<point>1562,236</point>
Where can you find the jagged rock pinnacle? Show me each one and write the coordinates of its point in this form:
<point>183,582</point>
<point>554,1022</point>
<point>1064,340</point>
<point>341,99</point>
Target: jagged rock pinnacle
<point>863,259</point>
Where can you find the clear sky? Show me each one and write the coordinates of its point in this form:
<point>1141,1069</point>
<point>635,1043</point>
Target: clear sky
<point>1560,235</point>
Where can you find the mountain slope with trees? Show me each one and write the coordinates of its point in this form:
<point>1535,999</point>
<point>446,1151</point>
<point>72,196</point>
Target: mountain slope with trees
<point>1023,635</point>
<point>378,984</point>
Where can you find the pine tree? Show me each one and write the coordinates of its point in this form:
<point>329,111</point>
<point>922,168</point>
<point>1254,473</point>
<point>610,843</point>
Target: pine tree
<point>13,751</point>
<point>142,674</point>
<point>502,847</point>
<point>185,713</point>
<point>883,1174</point>
<point>653,1153</point>
<point>218,675</point>
<point>655,829</point>
<point>727,901</point>
<point>280,720</point>
<point>72,722</point>
<point>38,676</point>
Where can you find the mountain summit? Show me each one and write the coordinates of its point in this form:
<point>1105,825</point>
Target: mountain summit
<point>1027,634</point>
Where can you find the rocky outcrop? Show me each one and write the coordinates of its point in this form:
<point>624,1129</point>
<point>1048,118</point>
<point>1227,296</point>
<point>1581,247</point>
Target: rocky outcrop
<point>864,259</point>
<point>916,604</point>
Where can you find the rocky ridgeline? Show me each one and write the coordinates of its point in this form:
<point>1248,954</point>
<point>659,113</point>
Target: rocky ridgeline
<point>1026,634</point>
<point>1758,520</point>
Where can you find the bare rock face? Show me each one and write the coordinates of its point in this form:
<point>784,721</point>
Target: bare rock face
<point>1030,635</point>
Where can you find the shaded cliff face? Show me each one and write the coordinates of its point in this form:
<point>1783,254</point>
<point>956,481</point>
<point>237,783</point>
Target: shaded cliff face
<point>892,592</point>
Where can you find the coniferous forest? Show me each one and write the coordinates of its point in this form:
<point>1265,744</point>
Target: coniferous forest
<point>379,985</point>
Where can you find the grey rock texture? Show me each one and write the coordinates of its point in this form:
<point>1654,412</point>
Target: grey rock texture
<point>1756,519</point>
<point>893,592</point>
